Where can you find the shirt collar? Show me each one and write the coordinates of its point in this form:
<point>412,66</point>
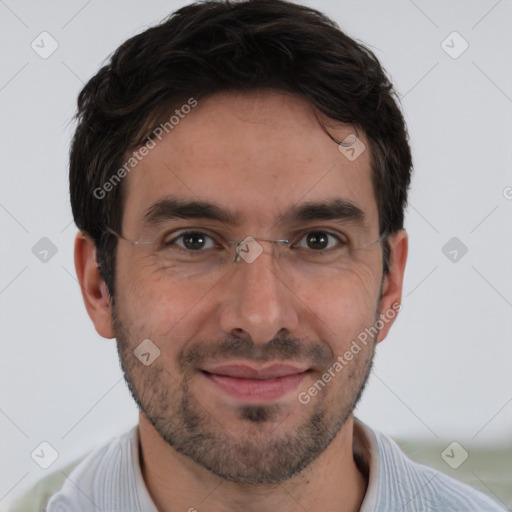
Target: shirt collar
<point>366,448</point>
<point>145,501</point>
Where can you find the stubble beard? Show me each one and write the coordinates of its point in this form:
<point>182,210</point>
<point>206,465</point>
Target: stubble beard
<point>265,454</point>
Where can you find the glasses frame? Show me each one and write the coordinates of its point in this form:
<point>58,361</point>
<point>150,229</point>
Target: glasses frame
<point>238,243</point>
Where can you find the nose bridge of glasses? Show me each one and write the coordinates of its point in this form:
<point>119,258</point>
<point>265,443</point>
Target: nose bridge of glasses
<point>250,248</point>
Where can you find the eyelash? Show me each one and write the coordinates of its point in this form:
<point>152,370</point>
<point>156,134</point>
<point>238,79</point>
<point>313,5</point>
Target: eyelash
<point>166,244</point>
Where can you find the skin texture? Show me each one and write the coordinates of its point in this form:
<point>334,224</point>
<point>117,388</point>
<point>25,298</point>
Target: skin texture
<point>257,153</point>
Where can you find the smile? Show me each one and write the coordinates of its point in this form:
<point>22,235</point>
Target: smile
<point>251,385</point>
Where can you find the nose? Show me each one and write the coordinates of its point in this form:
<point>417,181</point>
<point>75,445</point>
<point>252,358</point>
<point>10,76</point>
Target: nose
<point>258,298</point>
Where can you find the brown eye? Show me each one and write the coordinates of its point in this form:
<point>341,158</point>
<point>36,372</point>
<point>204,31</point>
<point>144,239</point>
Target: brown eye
<point>191,240</point>
<point>320,240</point>
<point>317,240</point>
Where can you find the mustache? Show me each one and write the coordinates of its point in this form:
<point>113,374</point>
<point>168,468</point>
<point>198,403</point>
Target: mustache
<point>285,348</point>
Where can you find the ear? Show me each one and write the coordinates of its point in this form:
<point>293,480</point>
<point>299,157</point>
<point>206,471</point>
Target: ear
<point>94,290</point>
<point>391,298</point>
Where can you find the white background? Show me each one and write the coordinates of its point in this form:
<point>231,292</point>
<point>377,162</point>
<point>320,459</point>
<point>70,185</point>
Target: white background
<point>443,373</point>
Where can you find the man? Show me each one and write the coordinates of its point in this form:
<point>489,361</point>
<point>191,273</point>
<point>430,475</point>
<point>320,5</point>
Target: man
<point>239,175</point>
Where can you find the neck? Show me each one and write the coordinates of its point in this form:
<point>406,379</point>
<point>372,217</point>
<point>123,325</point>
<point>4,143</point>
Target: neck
<point>175,482</point>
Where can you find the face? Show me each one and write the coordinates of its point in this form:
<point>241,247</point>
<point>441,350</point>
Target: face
<point>240,342</point>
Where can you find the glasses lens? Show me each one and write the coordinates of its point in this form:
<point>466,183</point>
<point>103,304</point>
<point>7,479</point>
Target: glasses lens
<point>197,252</point>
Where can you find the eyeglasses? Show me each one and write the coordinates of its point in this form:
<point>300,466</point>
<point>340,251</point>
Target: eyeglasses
<point>201,251</point>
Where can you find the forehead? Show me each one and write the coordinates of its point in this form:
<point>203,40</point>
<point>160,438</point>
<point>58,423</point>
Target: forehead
<point>258,153</point>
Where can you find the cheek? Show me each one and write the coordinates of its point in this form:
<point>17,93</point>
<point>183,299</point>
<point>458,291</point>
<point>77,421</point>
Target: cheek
<point>157,308</point>
<point>342,306</point>
<point>166,308</point>
<point>367,280</point>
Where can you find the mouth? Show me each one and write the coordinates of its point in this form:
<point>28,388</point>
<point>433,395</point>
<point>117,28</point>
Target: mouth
<point>255,385</point>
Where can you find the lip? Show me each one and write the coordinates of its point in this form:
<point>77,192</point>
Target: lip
<point>245,371</point>
<point>255,385</point>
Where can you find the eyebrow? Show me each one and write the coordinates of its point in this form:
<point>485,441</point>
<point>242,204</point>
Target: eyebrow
<point>336,209</point>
